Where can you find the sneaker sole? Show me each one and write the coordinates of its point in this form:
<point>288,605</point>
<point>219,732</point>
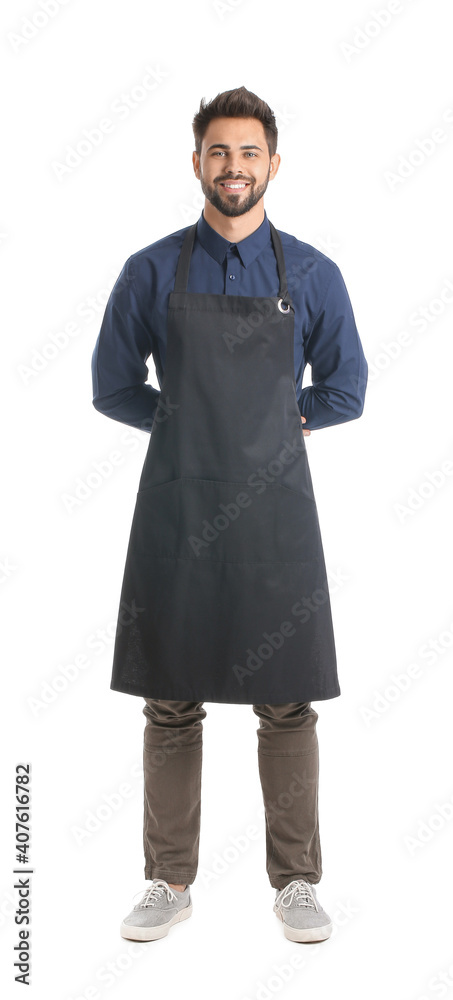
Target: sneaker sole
<point>305,934</point>
<point>154,933</point>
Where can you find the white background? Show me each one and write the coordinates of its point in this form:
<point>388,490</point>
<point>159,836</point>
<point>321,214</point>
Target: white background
<point>346,118</point>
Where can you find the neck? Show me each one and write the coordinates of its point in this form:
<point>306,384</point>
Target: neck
<point>234,228</point>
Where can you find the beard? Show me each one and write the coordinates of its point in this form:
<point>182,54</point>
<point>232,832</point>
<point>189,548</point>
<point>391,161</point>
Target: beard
<point>233,204</point>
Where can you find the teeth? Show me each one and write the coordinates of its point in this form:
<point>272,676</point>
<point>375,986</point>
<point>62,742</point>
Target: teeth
<point>234,185</point>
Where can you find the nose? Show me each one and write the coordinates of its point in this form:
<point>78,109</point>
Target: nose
<point>232,170</point>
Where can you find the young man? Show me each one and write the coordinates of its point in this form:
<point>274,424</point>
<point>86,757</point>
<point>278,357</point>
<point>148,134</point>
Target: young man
<point>225,595</point>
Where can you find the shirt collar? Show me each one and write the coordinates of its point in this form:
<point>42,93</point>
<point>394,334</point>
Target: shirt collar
<point>248,248</point>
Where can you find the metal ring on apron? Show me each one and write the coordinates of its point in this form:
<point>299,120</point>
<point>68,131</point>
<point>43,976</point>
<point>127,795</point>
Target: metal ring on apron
<point>280,306</point>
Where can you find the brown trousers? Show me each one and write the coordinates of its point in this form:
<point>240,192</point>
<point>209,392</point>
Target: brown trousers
<point>288,762</point>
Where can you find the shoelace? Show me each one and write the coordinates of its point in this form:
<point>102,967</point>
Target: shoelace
<point>155,891</point>
<point>299,891</point>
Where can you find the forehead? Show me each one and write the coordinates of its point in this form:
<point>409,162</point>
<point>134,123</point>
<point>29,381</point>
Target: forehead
<point>234,132</point>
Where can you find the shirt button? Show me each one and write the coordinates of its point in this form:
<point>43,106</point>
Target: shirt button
<point>231,277</point>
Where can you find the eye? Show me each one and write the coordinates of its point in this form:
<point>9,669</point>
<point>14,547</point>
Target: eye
<point>220,152</point>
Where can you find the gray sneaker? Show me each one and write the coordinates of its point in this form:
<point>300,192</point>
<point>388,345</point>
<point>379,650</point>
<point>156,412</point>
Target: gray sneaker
<point>159,908</point>
<point>302,916</point>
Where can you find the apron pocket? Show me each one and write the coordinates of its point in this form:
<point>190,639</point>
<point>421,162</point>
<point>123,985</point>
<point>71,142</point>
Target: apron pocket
<point>227,522</point>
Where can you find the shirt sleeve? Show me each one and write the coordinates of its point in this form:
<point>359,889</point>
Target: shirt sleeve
<point>118,364</point>
<point>339,369</point>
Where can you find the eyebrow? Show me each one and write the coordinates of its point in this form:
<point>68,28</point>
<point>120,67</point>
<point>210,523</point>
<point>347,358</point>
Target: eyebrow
<point>222,145</point>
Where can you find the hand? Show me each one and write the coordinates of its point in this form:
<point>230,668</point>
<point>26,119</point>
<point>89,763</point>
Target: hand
<point>305,432</point>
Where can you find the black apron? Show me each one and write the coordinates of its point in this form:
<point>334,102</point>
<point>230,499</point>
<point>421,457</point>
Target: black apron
<point>225,596</point>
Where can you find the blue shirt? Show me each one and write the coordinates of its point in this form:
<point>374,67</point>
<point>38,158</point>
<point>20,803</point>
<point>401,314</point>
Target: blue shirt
<point>134,326</point>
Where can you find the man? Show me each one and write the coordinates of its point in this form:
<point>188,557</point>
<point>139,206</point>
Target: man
<point>225,596</point>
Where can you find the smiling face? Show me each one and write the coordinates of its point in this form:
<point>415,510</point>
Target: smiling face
<point>234,152</point>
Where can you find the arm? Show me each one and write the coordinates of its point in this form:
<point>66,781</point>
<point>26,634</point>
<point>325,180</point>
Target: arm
<point>339,368</point>
<point>118,363</point>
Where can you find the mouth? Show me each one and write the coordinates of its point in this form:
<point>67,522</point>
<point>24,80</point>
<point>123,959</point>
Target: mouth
<point>234,187</point>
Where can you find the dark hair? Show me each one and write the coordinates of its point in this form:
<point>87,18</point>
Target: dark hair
<point>239,103</point>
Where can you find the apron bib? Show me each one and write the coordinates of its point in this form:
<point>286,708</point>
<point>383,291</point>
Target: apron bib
<point>225,595</point>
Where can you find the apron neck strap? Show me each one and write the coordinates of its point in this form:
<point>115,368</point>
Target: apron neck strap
<point>182,271</point>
